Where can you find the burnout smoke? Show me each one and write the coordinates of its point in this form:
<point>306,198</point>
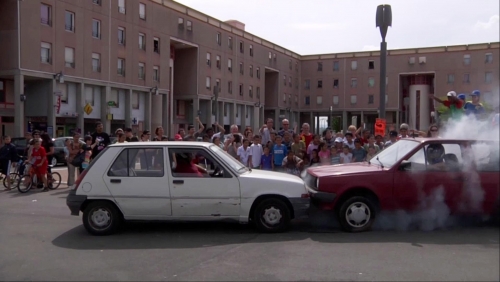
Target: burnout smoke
<point>433,212</point>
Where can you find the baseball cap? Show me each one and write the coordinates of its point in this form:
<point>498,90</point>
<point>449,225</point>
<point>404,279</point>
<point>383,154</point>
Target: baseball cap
<point>339,140</point>
<point>178,137</point>
<point>393,133</point>
<point>461,96</point>
<point>357,140</point>
<point>145,132</point>
<point>452,94</point>
<point>404,126</point>
<point>475,93</point>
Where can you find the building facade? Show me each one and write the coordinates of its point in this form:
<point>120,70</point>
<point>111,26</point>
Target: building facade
<point>66,64</point>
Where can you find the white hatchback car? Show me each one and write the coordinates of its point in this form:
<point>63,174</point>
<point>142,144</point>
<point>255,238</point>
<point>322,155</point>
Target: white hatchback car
<point>182,181</point>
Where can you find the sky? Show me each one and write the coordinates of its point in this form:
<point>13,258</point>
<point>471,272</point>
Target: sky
<point>335,26</point>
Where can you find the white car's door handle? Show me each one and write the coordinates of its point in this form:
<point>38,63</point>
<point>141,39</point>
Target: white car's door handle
<point>178,181</point>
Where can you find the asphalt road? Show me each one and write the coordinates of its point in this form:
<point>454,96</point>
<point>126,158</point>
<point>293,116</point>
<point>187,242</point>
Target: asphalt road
<point>41,241</point>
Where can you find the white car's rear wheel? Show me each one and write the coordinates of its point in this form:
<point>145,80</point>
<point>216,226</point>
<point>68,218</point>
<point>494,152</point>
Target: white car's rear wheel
<point>101,218</point>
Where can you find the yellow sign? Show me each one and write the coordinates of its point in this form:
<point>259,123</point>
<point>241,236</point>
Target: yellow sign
<point>88,109</point>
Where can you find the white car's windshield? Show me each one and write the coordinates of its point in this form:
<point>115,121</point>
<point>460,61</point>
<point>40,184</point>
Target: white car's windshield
<point>388,157</point>
<point>228,159</point>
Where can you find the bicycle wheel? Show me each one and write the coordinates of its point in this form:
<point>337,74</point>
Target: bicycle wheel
<point>55,181</point>
<point>24,183</point>
<point>13,178</point>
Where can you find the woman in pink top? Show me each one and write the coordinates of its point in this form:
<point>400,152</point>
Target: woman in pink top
<point>324,153</point>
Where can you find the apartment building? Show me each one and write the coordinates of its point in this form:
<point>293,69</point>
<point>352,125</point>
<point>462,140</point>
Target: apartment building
<point>66,64</point>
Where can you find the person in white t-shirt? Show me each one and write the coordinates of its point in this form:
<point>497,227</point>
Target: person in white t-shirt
<point>243,152</point>
<point>256,152</point>
<point>345,156</point>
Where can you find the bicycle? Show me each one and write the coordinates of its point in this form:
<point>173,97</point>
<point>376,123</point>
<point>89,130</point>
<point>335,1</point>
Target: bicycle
<point>26,182</point>
<point>14,175</point>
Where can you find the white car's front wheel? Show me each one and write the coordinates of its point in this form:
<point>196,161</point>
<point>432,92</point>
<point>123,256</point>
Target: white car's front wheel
<point>272,215</point>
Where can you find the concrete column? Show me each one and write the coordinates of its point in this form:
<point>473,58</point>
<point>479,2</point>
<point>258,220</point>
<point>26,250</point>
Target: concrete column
<point>362,119</point>
<point>276,118</point>
<point>220,115</point>
<point>105,109</point>
<point>208,115</point>
<point>344,121</point>
<point>196,108</point>
<point>147,111</point>
<point>166,113</point>
<point>232,113</point>
<point>80,104</point>
<point>311,122</point>
<point>18,106</point>
<point>156,111</point>
<point>128,108</point>
<point>51,110</point>
<point>397,119</point>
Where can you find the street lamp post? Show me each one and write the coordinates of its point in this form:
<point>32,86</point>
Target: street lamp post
<point>383,21</point>
<point>216,100</point>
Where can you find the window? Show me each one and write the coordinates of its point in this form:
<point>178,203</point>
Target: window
<point>209,62</point>
<point>258,92</point>
<point>113,96</point>
<point>290,81</point>
<point>230,42</point>
<point>121,6</point>
<point>335,83</point>
<point>354,65</point>
<point>258,73</point>
<point>97,2</point>
<point>208,82</point>
<point>411,60</point>
<point>189,25</point>
<point>242,47</point>
<point>307,100</point>
<point>69,57</point>
<point>121,36</point>
<point>135,100</point>
<point>121,67</point>
<point>141,73</point>
<point>307,84</point>
<point>336,66</point>
<point>241,89</point>
<point>296,66</point>
<point>156,45</point>
<point>353,99</point>
<point>274,57</point>
<point>218,62</point>
<point>180,22</point>
<point>319,100</point>
<point>89,95</point>
<point>46,54</point>
<point>218,38</point>
<point>140,162</point>
<point>251,71</point>
<point>2,92</point>
<point>46,15</point>
<point>354,82</point>
<point>335,100</point>
<point>217,84</point>
<point>296,83</point>
<point>488,77</point>
<point>241,68</point>
<point>466,78</point>
<point>290,64</point>
<point>320,66</point>
<point>142,41</point>
<point>142,11</point>
<point>371,65</point>
<point>466,59</point>
<point>230,87</point>
<point>451,78</point>
<point>96,28</point>
<point>284,97</point>
<point>270,56</point>
<point>204,159</point>
<point>156,73</point>
<point>250,89</point>
<point>96,62</point>
<point>296,99</point>
<point>251,50</point>
<point>370,99</point>
<point>230,65</point>
<point>320,83</point>
<point>489,58</point>
<point>371,81</point>
<point>69,21</point>
<point>386,80</point>
<point>284,80</point>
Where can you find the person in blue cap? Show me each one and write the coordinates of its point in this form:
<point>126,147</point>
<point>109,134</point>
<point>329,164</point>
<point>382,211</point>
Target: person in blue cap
<point>474,107</point>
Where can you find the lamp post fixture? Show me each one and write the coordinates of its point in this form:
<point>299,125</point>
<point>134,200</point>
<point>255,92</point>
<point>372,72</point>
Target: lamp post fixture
<point>383,21</point>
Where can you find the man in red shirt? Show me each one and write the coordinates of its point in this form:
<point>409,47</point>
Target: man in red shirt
<point>38,159</point>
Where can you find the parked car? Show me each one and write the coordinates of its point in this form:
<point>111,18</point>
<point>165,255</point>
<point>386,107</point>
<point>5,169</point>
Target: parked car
<point>406,175</point>
<point>20,143</point>
<point>182,181</point>
<point>59,156</point>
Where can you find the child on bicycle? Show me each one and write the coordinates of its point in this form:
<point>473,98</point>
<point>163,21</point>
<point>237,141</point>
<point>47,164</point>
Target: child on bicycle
<point>38,159</point>
<point>8,157</point>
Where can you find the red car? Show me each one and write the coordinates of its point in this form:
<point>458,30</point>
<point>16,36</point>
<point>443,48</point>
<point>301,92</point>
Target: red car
<point>410,175</point>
